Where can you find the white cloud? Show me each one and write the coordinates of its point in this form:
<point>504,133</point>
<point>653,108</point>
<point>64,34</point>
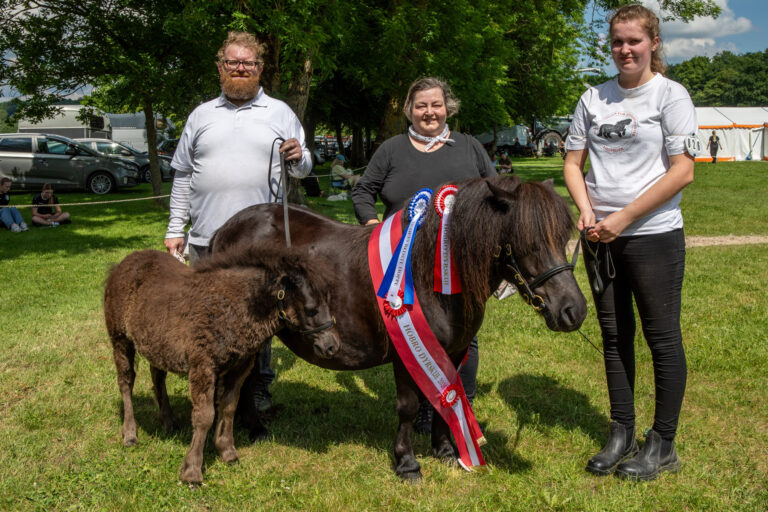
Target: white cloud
<point>685,48</point>
<point>701,35</point>
<point>727,24</point>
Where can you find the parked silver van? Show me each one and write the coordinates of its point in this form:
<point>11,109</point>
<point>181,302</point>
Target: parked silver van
<point>32,159</point>
<point>113,149</point>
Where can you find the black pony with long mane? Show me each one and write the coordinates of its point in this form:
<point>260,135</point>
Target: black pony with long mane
<point>500,229</point>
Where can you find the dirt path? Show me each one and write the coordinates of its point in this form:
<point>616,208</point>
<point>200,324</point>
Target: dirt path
<point>702,241</point>
<point>706,241</point>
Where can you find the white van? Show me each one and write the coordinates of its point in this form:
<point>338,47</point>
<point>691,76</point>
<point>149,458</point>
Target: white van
<point>67,124</point>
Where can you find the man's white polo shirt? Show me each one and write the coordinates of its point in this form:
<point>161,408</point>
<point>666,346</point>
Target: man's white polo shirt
<point>222,162</point>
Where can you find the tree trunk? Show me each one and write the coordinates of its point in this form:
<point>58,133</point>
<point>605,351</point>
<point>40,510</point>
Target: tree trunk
<point>154,164</point>
<point>368,143</point>
<point>392,122</point>
<point>357,158</point>
<point>298,89</point>
<point>339,137</point>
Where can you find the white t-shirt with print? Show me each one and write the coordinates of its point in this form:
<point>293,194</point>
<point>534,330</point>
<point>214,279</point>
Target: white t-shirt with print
<point>630,134</point>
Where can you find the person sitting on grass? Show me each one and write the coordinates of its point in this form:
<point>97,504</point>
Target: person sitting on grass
<point>9,215</point>
<point>340,173</point>
<point>44,215</point>
<point>505,164</point>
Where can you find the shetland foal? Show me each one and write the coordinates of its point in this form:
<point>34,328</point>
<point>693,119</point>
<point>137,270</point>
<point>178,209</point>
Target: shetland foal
<point>210,322</point>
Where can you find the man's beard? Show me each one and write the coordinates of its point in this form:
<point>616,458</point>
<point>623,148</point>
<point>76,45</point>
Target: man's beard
<point>239,89</point>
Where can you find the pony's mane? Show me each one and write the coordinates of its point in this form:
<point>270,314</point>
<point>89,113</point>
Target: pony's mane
<point>531,217</point>
<point>272,260</point>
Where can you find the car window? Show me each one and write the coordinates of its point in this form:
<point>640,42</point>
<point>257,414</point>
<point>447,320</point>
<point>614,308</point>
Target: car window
<point>16,144</point>
<point>108,148</point>
<point>53,146</point>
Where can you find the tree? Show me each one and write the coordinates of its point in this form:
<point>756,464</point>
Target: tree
<point>725,79</point>
<point>140,54</point>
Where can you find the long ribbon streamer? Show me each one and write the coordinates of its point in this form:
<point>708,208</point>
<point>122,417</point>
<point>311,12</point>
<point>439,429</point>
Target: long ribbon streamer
<point>421,353</point>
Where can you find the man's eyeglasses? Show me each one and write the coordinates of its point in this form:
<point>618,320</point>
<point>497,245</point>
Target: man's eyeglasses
<point>248,65</point>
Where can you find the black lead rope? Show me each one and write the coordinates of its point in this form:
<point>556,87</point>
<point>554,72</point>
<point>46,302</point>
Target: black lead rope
<point>583,241</point>
<point>284,183</point>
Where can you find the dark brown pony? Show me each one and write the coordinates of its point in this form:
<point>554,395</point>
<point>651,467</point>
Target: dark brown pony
<point>210,322</point>
<point>488,215</point>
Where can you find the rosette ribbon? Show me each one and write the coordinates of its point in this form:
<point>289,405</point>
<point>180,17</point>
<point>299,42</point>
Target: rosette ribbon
<point>398,274</point>
<point>446,276</point>
<point>421,352</point>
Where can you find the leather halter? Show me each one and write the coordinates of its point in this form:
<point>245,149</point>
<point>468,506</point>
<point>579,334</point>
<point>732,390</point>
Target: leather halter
<point>524,287</point>
<point>282,315</point>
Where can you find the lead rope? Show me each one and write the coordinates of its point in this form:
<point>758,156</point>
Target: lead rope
<point>285,181</point>
<point>583,235</point>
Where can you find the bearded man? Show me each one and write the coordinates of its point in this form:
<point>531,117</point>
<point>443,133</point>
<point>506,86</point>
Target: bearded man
<point>222,161</point>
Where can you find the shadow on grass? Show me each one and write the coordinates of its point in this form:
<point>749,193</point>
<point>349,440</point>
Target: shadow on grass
<point>90,226</point>
<point>316,419</point>
<point>540,401</point>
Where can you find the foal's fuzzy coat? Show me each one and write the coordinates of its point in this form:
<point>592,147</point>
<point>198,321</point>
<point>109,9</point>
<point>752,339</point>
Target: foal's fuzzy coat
<point>209,322</point>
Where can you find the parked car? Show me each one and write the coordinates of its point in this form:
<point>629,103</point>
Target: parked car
<point>112,149</point>
<point>32,159</point>
<point>511,139</point>
<point>167,147</point>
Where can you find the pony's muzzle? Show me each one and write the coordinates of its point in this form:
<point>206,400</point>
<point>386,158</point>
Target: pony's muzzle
<point>326,344</point>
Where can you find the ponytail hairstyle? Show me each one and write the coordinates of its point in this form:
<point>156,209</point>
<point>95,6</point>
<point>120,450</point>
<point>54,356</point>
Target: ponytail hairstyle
<point>650,23</point>
<point>48,186</point>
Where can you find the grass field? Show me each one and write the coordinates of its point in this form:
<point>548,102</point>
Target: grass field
<point>542,397</point>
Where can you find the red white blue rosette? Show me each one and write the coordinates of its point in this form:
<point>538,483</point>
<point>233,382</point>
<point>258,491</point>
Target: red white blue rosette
<point>447,279</point>
<point>398,275</point>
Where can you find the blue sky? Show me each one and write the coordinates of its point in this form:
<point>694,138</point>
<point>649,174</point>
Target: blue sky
<point>741,28</point>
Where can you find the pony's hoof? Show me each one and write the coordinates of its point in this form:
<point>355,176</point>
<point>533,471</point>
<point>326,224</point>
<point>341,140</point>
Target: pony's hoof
<point>445,453</point>
<point>230,457</point>
<point>258,433</point>
<point>191,476</point>
<point>169,426</point>
<point>408,469</point>
<point>411,477</point>
<point>130,441</point>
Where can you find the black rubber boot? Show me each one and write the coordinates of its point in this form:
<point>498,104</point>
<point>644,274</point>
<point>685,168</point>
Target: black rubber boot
<point>621,444</point>
<point>658,455</point>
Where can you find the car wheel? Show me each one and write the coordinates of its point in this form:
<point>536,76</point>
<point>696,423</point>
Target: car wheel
<point>101,183</point>
<point>146,173</point>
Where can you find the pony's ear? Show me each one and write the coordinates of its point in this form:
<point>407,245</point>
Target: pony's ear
<point>500,198</point>
<point>550,184</point>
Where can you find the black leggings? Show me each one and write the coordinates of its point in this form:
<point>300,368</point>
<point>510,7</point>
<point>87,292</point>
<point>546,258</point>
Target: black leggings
<point>649,268</point>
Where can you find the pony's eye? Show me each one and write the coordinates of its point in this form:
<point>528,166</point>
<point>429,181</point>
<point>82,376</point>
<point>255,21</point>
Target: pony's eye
<point>310,312</point>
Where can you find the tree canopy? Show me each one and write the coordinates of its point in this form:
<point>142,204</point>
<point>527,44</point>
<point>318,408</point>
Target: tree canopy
<point>725,79</point>
<point>346,62</point>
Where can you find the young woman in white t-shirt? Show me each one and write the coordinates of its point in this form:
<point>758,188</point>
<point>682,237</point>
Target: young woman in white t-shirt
<point>634,129</point>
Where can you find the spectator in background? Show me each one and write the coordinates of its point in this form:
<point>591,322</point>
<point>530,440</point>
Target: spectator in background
<point>505,164</point>
<point>341,174</point>
<point>713,145</point>
<point>49,212</point>
<point>532,148</point>
<point>9,215</point>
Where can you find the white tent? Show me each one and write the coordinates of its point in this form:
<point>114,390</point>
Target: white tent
<point>741,131</point>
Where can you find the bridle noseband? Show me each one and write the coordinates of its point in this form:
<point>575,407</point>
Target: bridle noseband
<point>282,315</point>
<point>525,288</point>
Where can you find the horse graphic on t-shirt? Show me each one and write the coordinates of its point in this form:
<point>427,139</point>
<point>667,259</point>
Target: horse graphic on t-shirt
<point>607,130</point>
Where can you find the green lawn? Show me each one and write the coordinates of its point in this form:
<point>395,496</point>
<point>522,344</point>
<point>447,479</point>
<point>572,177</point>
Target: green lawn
<point>542,399</point>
